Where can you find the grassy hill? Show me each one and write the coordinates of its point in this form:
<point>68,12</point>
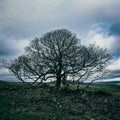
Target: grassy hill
<point>18,102</point>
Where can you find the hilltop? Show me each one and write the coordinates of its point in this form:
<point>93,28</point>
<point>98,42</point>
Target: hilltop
<point>18,102</point>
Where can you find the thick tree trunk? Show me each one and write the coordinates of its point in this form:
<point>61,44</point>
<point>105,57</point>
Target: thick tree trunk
<point>59,77</point>
<point>58,82</point>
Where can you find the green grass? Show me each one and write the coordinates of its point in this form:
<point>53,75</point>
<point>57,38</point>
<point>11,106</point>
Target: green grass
<point>18,102</point>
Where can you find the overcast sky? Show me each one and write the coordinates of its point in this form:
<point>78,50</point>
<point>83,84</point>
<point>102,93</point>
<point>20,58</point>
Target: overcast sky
<point>94,21</point>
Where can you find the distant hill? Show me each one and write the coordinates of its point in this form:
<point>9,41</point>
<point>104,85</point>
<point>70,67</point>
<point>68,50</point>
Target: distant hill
<point>108,83</point>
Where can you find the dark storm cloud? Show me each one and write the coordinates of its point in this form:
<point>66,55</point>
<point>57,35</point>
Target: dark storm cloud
<point>115,29</point>
<point>10,47</point>
<point>6,49</point>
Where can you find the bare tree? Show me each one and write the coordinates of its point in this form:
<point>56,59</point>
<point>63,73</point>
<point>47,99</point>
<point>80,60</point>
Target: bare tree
<point>58,55</point>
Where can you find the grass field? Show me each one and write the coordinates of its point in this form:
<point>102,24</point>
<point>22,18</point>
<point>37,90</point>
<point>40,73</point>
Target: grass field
<point>18,102</point>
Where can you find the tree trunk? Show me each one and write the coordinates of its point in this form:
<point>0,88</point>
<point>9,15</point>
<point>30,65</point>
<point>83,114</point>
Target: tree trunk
<point>58,82</point>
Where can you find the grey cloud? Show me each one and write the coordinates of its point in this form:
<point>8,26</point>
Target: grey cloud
<point>109,34</point>
<point>7,49</point>
<point>29,18</point>
<point>112,74</point>
<point>10,47</point>
<point>21,20</point>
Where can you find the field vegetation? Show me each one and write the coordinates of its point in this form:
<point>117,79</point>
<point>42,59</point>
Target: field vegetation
<point>19,102</point>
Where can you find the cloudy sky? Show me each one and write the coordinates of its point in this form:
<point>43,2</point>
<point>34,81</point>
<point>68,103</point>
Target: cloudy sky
<point>94,21</point>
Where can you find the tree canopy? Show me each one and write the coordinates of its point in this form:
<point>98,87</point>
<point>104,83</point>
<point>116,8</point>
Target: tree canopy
<point>59,55</point>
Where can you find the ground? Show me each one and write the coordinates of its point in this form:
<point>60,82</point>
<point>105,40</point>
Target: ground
<point>18,102</point>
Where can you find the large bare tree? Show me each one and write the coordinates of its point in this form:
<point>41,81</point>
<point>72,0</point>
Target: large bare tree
<point>59,55</point>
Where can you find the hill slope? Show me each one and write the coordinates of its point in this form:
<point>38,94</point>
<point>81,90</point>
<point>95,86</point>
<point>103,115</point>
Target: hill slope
<point>17,102</point>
